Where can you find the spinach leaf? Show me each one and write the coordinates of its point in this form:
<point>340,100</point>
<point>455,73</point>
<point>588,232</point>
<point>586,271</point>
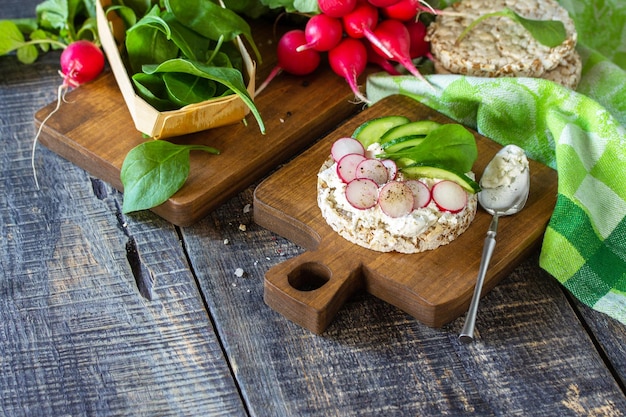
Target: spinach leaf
<point>184,89</point>
<point>450,145</point>
<point>550,33</point>
<point>148,42</point>
<point>225,23</point>
<point>153,171</point>
<point>229,77</point>
<point>152,89</point>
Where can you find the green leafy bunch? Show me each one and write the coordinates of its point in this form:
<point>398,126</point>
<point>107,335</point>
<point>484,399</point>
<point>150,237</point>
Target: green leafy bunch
<point>57,24</point>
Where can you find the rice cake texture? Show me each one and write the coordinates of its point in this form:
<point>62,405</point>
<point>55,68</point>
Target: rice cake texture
<point>499,46</point>
<point>424,229</point>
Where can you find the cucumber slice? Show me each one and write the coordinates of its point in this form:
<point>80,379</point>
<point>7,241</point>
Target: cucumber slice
<point>433,171</point>
<point>402,142</point>
<point>372,130</point>
<point>419,127</point>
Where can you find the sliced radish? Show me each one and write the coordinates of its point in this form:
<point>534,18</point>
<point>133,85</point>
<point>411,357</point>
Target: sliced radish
<point>396,199</point>
<point>449,196</point>
<point>372,169</point>
<point>392,168</point>
<point>344,146</point>
<point>421,193</point>
<point>362,193</point>
<point>346,167</point>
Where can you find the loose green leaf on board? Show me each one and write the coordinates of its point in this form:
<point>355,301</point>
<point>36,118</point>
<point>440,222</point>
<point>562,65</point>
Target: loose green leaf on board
<point>153,171</point>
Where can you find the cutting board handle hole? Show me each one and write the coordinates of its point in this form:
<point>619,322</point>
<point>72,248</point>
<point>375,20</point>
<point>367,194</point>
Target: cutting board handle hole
<point>309,276</point>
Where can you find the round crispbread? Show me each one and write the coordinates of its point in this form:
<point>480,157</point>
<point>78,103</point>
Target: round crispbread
<point>368,229</point>
<point>498,46</point>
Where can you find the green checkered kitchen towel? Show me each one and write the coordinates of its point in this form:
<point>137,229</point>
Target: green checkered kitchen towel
<point>581,134</point>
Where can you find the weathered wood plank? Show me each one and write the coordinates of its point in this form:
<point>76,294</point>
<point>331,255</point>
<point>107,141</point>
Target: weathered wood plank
<point>76,336</point>
<point>532,356</point>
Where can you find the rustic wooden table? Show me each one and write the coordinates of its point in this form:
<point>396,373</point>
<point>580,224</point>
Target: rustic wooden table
<point>78,338</point>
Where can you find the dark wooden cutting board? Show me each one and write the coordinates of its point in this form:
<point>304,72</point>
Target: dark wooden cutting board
<point>95,131</point>
<point>434,286</point>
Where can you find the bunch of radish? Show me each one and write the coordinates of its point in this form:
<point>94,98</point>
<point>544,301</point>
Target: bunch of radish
<point>371,181</point>
<point>354,33</point>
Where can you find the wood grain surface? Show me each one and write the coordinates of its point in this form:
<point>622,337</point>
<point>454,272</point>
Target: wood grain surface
<point>296,111</point>
<point>434,286</point>
<point>78,337</point>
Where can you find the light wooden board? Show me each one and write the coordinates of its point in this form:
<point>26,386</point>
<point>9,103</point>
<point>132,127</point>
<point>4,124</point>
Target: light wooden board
<point>433,286</point>
<point>95,131</point>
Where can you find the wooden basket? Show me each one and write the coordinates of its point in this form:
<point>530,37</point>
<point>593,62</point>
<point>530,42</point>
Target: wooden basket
<point>189,119</point>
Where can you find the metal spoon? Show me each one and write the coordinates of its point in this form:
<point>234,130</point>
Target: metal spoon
<point>504,191</point>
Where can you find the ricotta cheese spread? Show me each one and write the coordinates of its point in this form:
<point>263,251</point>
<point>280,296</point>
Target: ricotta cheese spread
<point>423,229</point>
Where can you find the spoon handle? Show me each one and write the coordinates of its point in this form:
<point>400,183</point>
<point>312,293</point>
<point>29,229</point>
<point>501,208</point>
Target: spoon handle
<point>467,333</point>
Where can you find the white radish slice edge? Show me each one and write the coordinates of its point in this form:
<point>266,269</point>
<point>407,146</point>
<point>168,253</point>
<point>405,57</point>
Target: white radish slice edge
<point>362,193</point>
<point>372,169</point>
<point>346,166</point>
<point>396,199</point>
<point>449,196</point>
<point>344,146</point>
<point>421,193</point>
<point>392,168</point>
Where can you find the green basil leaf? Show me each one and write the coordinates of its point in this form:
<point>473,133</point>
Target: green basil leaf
<point>451,145</point>
<point>153,171</point>
<point>225,23</point>
<point>184,89</point>
<point>229,77</point>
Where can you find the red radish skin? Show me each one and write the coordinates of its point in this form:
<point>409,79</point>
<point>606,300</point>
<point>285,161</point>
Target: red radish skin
<point>421,193</point>
<point>344,146</point>
<point>374,170</point>
<point>419,47</point>
<point>392,168</point>
<point>403,10</point>
<point>362,193</point>
<point>290,60</point>
<point>395,36</point>
<point>81,61</point>
<point>396,199</point>
<point>336,8</point>
<point>346,167</point>
<point>449,196</point>
<point>348,60</point>
<point>375,58</point>
<point>361,22</point>
<point>382,3</point>
<point>322,33</point>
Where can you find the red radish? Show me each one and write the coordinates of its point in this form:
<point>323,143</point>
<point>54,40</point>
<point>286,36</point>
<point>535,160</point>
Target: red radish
<point>346,167</point>
<point>395,36</point>
<point>375,58</point>
<point>372,169</point>
<point>361,22</point>
<point>362,193</point>
<point>419,47</point>
<point>421,193</point>
<point>403,10</point>
<point>396,199</point>
<point>336,8</point>
<point>382,3</point>
<point>81,61</point>
<point>290,60</point>
<point>322,33</point>
<point>449,196</point>
<point>348,60</point>
<point>392,168</point>
<point>344,146</point>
